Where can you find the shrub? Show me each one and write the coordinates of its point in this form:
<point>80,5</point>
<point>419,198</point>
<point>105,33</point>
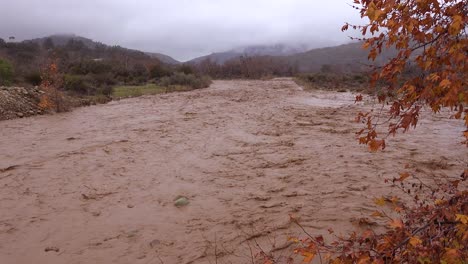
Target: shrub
<point>102,79</point>
<point>158,71</point>
<point>190,80</point>
<point>90,66</point>
<point>77,84</point>
<point>106,90</point>
<point>185,68</point>
<point>6,72</point>
<point>33,78</point>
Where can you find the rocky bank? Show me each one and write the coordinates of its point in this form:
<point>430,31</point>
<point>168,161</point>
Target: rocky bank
<point>18,102</point>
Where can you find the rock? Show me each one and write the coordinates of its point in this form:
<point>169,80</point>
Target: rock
<point>154,243</point>
<point>55,249</point>
<point>20,115</point>
<point>262,198</point>
<point>130,206</point>
<point>181,201</point>
<point>96,214</point>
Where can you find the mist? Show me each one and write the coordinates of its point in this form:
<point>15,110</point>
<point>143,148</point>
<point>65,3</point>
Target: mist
<point>182,29</point>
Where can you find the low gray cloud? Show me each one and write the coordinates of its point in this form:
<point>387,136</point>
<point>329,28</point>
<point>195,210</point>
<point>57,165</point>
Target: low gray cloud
<point>183,29</point>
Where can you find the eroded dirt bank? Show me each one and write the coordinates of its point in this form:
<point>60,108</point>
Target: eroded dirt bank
<point>97,185</point>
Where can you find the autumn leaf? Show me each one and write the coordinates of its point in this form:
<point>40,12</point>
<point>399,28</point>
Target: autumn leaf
<point>364,259</point>
<point>452,255</point>
<point>372,12</point>
<point>368,234</point>
<point>403,176</point>
<point>358,98</point>
<point>380,201</point>
<point>345,27</point>
<point>445,83</point>
<point>366,45</point>
<point>377,213</point>
<point>293,239</point>
<point>415,241</point>
<point>375,145</point>
<point>456,25</point>
<point>309,256</point>
<point>396,224</point>
<point>462,218</point>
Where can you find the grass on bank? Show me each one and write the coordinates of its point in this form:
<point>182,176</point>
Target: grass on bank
<point>332,82</point>
<point>124,91</point>
<point>177,82</point>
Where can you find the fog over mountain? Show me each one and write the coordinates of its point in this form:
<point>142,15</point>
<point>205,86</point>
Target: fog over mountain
<point>183,29</point>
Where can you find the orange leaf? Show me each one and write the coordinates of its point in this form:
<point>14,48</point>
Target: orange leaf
<point>396,223</point>
<point>380,201</point>
<point>403,176</point>
<point>375,145</point>
<point>366,45</point>
<point>456,25</point>
<point>377,213</point>
<point>445,83</point>
<point>364,259</point>
<point>451,254</point>
<point>309,256</point>
<point>462,218</point>
<point>415,241</point>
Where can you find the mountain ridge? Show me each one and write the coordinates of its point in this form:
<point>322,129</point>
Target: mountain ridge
<point>63,39</point>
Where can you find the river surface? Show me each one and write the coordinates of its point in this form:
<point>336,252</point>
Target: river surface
<point>97,185</point>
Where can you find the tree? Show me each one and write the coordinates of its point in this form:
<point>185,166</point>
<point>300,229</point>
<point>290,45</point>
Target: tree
<point>430,33</point>
<point>75,45</point>
<point>433,227</point>
<point>48,44</point>
<point>185,68</point>
<point>52,98</point>
<point>6,72</point>
<point>158,71</point>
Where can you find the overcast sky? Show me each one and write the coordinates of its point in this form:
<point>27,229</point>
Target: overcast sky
<point>183,29</point>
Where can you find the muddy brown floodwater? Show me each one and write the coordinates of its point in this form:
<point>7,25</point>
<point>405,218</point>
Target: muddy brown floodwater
<point>97,185</point>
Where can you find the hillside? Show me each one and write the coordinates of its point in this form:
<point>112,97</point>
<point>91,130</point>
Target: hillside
<point>99,64</point>
<point>347,57</point>
<point>344,58</point>
<point>163,58</point>
<point>251,51</point>
<point>64,39</point>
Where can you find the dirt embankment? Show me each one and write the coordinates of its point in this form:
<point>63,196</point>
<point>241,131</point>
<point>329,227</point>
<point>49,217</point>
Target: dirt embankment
<point>17,102</point>
<point>97,185</point>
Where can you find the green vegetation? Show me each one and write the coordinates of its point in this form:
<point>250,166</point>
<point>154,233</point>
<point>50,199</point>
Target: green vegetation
<point>137,90</point>
<point>177,82</point>
<point>89,72</point>
<point>333,81</point>
<point>148,89</point>
<point>6,72</point>
<point>188,80</point>
<point>33,78</point>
